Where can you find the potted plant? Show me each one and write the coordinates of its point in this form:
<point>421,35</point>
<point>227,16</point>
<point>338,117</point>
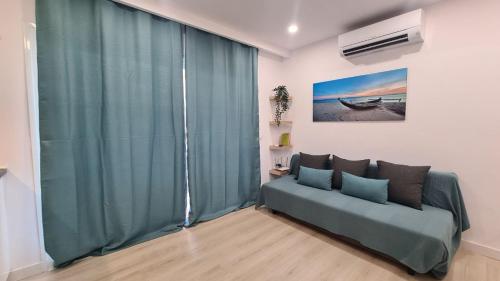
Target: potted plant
<point>282,99</point>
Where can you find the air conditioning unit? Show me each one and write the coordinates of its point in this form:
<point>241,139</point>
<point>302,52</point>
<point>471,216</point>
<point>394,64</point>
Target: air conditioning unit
<point>394,32</point>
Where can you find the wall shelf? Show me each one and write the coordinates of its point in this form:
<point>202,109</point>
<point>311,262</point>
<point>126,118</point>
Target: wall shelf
<point>277,147</point>
<point>283,122</point>
<point>278,173</point>
<point>278,153</point>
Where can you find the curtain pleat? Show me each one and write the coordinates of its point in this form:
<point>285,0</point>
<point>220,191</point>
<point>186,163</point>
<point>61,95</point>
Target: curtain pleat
<point>222,125</point>
<point>111,126</point>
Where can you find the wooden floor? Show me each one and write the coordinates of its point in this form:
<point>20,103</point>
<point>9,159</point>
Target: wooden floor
<point>256,245</point>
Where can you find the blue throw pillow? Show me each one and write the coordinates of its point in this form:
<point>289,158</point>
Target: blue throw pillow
<point>368,189</point>
<point>317,178</point>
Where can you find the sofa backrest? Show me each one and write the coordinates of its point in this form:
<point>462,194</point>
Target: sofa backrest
<point>372,172</point>
<point>441,190</point>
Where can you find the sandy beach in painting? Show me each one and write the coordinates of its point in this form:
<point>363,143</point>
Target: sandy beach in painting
<point>334,111</point>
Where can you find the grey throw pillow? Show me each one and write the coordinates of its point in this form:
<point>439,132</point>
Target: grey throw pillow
<point>353,167</point>
<point>313,161</point>
<point>406,183</point>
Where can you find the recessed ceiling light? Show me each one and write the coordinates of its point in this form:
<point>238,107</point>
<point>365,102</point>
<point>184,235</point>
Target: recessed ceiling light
<point>293,28</point>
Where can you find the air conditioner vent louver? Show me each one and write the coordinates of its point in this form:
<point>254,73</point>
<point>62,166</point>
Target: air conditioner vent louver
<point>376,45</point>
<point>398,31</point>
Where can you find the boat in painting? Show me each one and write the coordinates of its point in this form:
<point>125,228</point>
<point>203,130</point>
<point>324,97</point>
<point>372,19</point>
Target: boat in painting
<point>362,105</point>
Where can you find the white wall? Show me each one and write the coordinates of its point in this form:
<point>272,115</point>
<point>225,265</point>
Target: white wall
<point>15,145</point>
<point>452,120</point>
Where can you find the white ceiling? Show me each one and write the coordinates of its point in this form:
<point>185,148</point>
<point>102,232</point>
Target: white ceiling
<point>268,20</point>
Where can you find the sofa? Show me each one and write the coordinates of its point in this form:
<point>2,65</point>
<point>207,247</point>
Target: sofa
<point>424,241</point>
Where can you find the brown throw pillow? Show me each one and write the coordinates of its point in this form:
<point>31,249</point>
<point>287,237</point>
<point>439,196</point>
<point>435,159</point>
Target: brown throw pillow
<point>353,167</point>
<point>406,183</point>
<point>313,161</point>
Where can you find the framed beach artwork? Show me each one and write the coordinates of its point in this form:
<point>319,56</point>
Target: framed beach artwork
<point>373,97</point>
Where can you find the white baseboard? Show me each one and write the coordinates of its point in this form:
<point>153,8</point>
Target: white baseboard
<point>481,249</point>
<point>29,271</point>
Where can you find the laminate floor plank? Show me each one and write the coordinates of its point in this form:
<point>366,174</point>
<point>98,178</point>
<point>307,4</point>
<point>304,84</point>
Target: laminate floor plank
<point>251,245</point>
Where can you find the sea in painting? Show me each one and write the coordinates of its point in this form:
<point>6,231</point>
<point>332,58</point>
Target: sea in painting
<point>373,97</point>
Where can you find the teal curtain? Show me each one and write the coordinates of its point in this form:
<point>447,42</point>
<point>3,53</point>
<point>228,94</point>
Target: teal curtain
<point>111,126</point>
<point>222,125</point>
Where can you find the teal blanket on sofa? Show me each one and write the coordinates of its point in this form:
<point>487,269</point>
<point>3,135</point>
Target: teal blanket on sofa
<point>424,240</point>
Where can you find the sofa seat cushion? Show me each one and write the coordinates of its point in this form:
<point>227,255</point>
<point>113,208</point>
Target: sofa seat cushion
<point>419,239</point>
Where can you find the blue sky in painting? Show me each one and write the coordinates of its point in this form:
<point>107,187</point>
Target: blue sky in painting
<point>359,83</point>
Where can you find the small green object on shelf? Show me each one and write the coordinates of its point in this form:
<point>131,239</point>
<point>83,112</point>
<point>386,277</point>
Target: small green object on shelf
<point>284,139</point>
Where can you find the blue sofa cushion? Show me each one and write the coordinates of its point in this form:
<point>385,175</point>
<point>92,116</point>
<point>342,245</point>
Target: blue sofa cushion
<point>368,189</point>
<point>317,178</point>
